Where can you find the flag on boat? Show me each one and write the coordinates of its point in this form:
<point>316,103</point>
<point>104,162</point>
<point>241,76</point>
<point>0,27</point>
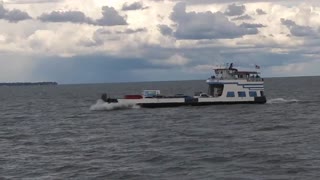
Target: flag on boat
<point>257,67</point>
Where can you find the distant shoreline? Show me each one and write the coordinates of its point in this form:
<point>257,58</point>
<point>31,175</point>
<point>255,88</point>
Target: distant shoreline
<point>29,84</point>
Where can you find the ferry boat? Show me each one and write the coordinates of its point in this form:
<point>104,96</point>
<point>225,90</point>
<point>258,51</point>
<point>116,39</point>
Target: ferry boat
<point>227,86</point>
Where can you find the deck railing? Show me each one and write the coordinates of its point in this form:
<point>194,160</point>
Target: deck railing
<point>251,79</point>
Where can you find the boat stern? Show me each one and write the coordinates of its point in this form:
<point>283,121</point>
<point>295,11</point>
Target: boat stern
<point>260,100</point>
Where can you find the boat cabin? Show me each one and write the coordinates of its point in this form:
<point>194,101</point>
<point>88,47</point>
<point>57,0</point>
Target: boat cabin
<point>150,93</point>
<point>232,74</point>
<point>233,78</point>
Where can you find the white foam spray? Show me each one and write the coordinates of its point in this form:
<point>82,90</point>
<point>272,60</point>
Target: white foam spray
<point>282,101</point>
<point>103,106</point>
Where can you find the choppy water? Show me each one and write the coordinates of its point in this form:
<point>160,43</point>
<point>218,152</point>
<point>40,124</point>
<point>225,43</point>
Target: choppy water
<point>51,133</point>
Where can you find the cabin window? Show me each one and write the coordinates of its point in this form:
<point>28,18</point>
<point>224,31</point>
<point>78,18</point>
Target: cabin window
<point>242,94</point>
<point>261,93</point>
<point>230,94</point>
<point>252,93</point>
<point>151,93</point>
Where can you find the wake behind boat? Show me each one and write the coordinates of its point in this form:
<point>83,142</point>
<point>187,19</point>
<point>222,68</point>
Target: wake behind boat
<point>227,86</point>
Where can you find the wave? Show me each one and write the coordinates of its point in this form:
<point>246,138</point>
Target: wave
<point>103,106</point>
<point>282,101</point>
<point>272,128</point>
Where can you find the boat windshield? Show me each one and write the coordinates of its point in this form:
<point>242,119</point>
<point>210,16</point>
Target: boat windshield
<point>235,74</point>
<point>151,93</point>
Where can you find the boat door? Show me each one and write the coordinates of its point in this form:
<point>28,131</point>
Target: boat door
<point>215,90</point>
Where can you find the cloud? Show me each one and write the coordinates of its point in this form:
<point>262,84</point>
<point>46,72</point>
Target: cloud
<point>165,30</point>
<point>167,40</point>
<point>288,23</point>
<point>126,31</point>
<point>174,60</point>
<point>91,68</point>
<point>205,25</point>
<point>14,15</point>
<point>248,25</point>
<point>199,2</point>
<point>244,17</point>
<point>32,1</point>
<point>297,30</point>
<point>297,68</point>
<point>235,10</point>
<point>110,17</point>
<point>133,6</point>
<point>101,35</point>
<point>260,12</point>
<point>132,31</point>
<point>3,11</point>
<point>15,68</point>
<point>65,16</point>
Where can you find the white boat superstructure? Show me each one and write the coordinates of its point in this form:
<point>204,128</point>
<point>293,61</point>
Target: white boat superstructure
<point>228,86</point>
<point>231,85</point>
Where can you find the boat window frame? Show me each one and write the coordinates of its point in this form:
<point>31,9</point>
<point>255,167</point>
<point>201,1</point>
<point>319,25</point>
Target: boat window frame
<point>231,94</point>
<point>242,94</point>
<point>253,94</point>
<point>150,93</point>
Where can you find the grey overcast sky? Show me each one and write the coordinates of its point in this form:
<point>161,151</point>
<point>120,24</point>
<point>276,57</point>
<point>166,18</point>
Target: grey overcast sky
<point>81,41</point>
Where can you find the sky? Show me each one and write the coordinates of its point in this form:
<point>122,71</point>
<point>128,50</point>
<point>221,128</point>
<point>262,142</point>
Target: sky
<point>81,41</point>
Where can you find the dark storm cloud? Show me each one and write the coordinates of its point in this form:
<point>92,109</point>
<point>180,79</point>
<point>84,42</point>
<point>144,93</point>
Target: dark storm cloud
<point>133,6</point>
<point>110,17</point>
<point>65,16</point>
<point>297,30</point>
<point>260,12</point>
<point>219,55</point>
<point>205,25</point>
<point>91,68</point>
<point>14,15</point>
<point>235,10</point>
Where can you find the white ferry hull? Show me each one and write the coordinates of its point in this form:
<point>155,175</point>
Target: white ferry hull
<point>176,102</point>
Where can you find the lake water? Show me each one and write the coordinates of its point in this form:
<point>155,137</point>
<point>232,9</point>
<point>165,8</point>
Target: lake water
<point>50,132</point>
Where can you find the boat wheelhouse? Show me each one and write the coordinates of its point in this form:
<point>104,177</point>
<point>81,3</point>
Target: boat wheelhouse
<point>227,86</point>
<point>231,85</point>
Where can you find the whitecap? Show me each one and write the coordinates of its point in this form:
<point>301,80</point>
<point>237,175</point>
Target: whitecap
<point>103,106</point>
<point>282,101</point>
